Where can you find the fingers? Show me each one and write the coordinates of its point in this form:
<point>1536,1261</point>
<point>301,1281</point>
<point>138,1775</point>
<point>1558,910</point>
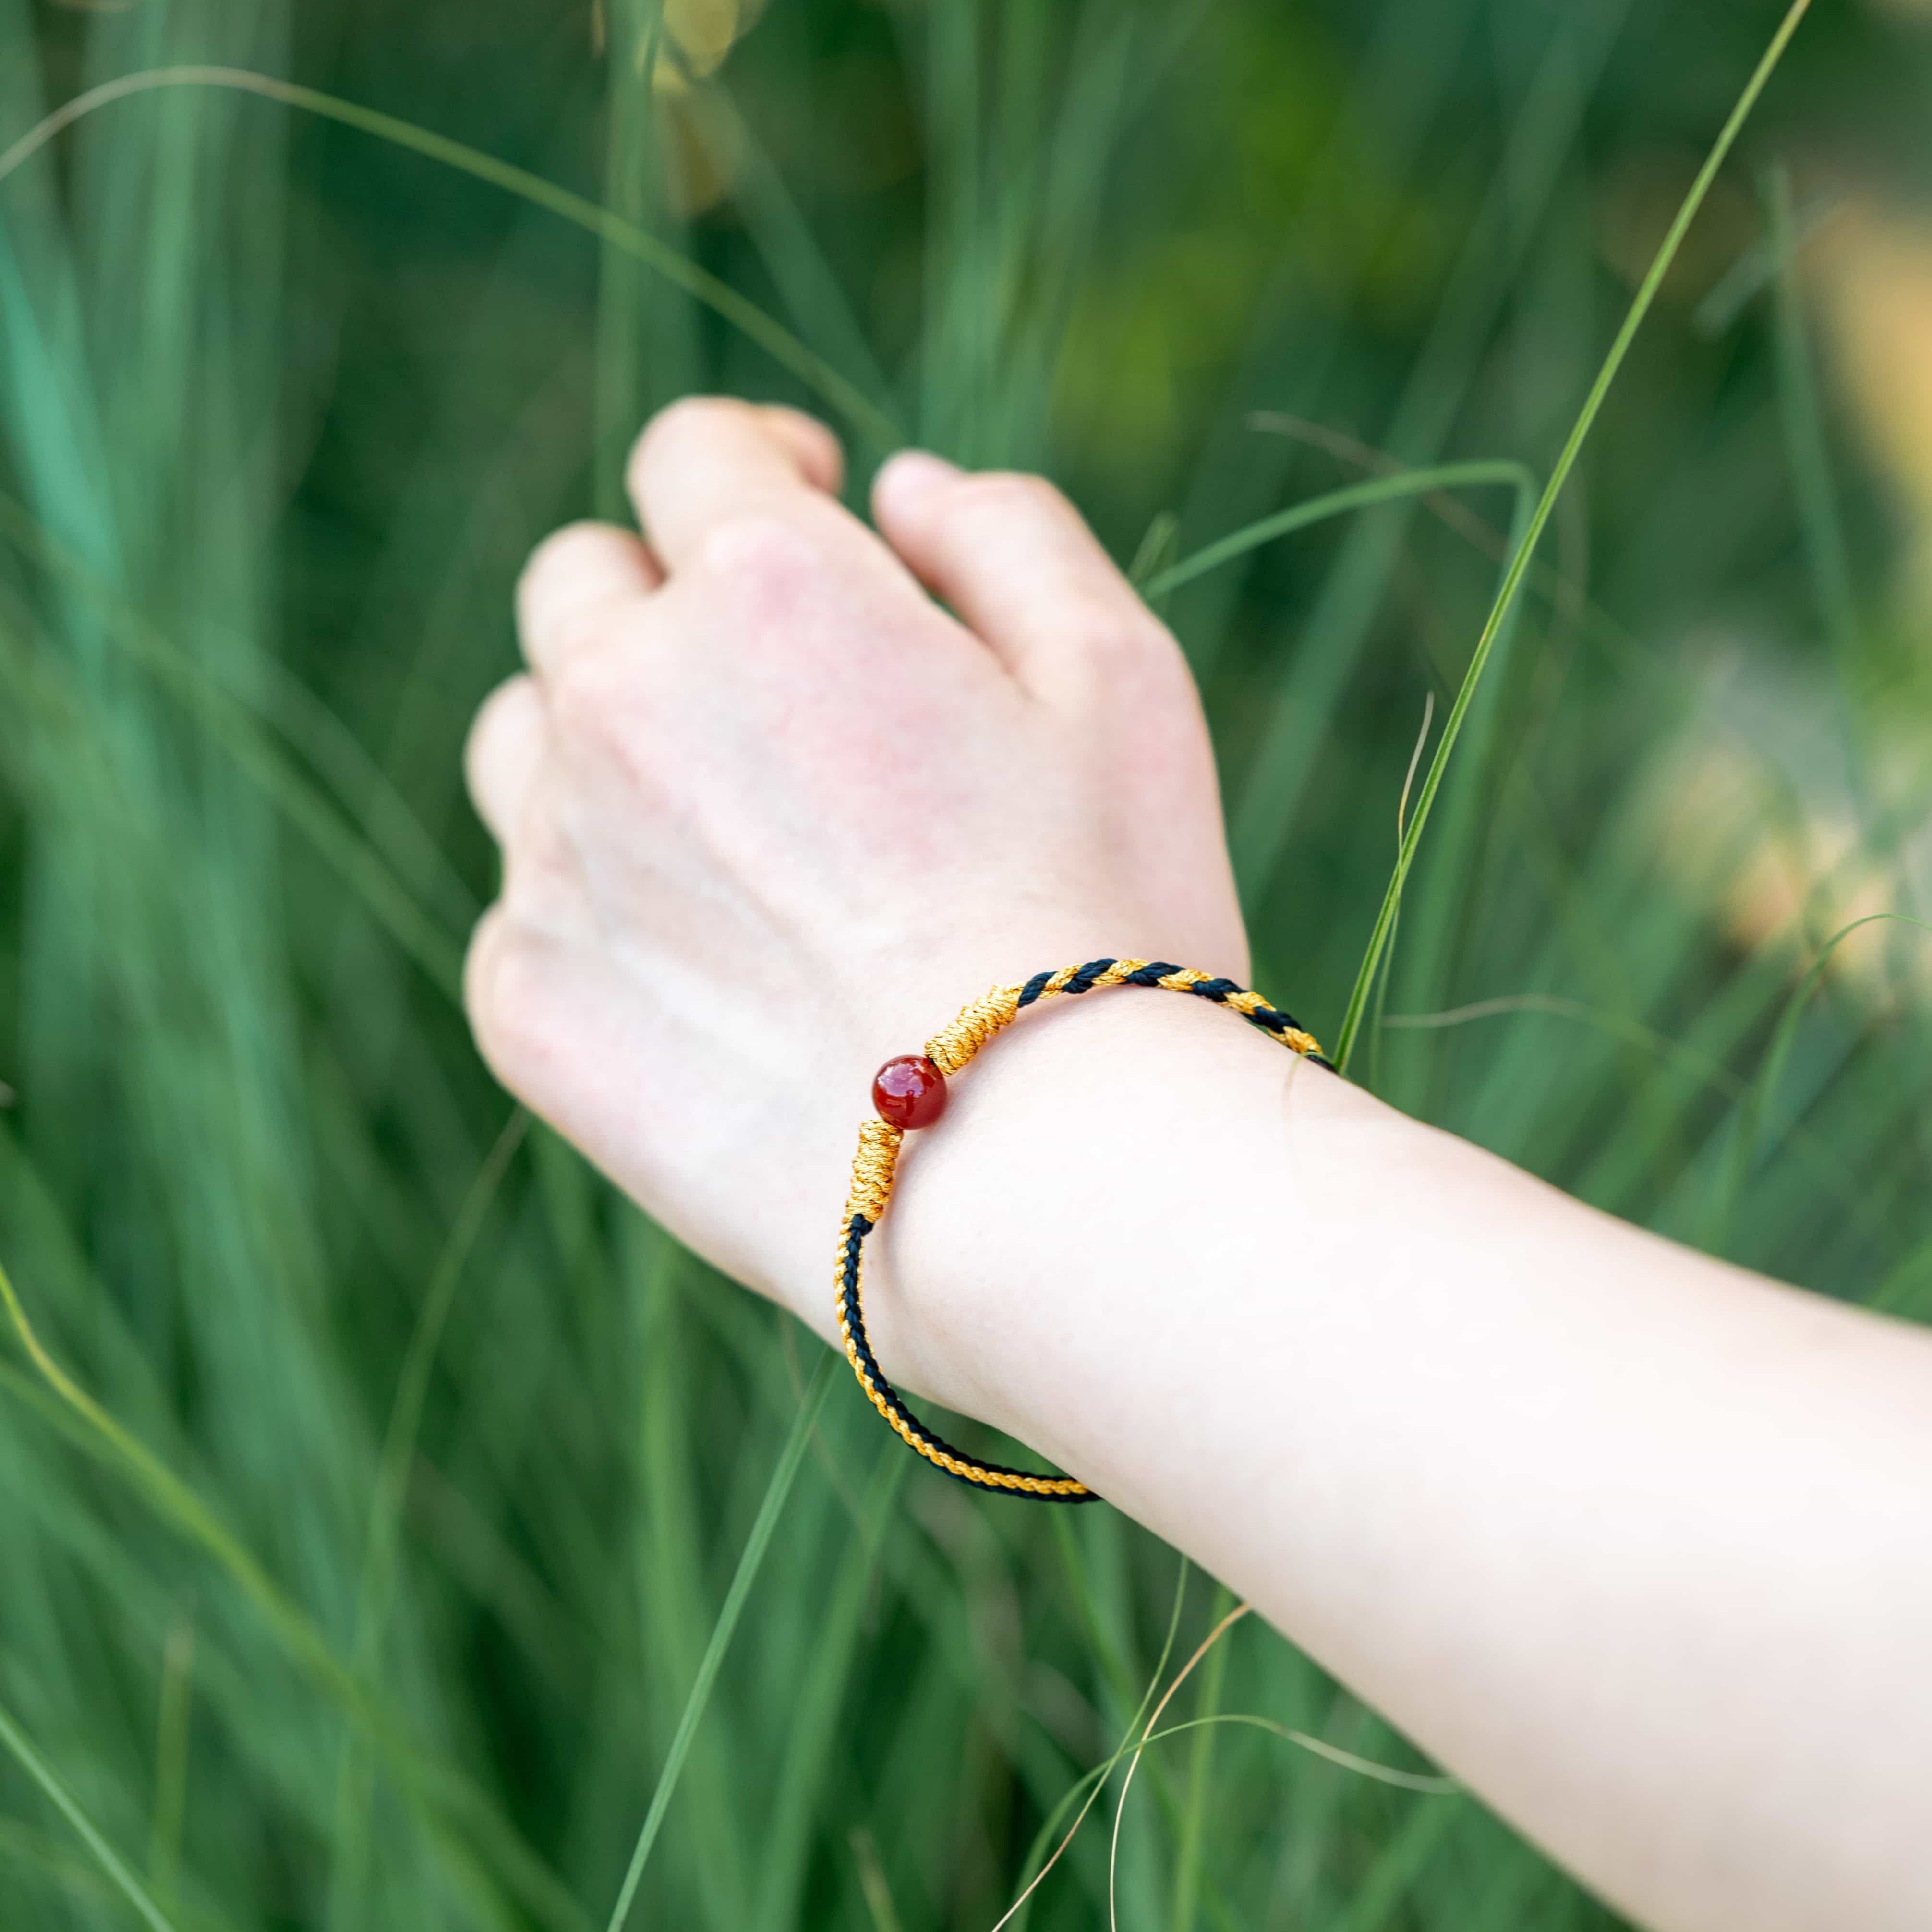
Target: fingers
<point>812,444</point>
<point>1015,559</point>
<point>710,459</point>
<point>505,752</point>
<point>574,580</point>
<point>697,464</point>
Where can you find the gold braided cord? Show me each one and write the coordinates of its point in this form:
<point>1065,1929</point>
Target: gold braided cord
<point>950,1048</point>
<point>1244,1004</point>
<point>872,1168</point>
<point>875,1163</point>
<point>953,1046</point>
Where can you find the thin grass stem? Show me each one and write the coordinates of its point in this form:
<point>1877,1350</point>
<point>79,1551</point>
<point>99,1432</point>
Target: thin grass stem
<point>1336,503</point>
<point>172,1732</point>
<point>1187,1861</point>
<point>1207,1643</point>
<point>1093,1782</point>
<point>1433,1783</point>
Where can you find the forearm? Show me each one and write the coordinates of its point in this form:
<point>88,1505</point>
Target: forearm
<point>1638,1545</point>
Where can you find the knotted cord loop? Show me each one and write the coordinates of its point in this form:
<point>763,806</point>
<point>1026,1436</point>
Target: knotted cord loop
<point>950,1048</point>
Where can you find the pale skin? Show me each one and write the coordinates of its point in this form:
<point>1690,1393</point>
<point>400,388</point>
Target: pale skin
<point>1636,1544</point>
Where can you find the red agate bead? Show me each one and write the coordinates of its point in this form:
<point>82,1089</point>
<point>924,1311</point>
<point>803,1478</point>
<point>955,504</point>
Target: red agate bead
<point>909,1091</point>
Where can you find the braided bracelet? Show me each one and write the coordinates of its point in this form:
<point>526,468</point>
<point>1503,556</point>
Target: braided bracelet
<point>910,1091</point>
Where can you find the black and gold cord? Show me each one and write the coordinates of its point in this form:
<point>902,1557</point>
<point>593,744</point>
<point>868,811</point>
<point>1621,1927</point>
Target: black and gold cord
<point>911,1093</point>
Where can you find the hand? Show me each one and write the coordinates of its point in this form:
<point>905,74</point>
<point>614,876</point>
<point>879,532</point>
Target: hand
<point>769,814</point>
<point>1527,1479</point>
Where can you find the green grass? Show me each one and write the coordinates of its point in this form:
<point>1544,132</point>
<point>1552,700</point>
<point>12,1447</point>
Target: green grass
<point>400,1531</point>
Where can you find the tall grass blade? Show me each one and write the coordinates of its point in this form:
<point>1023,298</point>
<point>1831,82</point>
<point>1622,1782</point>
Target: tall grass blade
<point>180,1506</point>
<point>385,1508</point>
<point>756,1544</point>
<point>1826,554</point>
<point>1566,461</point>
<point>778,342</point>
<point>110,1861</point>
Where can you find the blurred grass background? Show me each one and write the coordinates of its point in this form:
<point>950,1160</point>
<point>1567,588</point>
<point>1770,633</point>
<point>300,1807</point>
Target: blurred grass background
<point>440,1458</point>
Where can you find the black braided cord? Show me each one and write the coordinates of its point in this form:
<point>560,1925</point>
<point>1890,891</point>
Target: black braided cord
<point>993,1477</point>
<point>1271,1020</point>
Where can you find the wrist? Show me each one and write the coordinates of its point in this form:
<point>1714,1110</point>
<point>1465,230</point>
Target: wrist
<point>1101,1168</point>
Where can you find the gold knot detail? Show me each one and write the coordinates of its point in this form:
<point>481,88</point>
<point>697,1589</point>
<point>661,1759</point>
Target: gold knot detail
<point>872,1167</point>
<point>950,1048</point>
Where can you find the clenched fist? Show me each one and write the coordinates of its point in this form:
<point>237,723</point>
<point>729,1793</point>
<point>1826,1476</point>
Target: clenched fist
<point>770,813</point>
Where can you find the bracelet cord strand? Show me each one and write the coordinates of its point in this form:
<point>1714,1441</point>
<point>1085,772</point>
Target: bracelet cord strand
<point>877,1160</point>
